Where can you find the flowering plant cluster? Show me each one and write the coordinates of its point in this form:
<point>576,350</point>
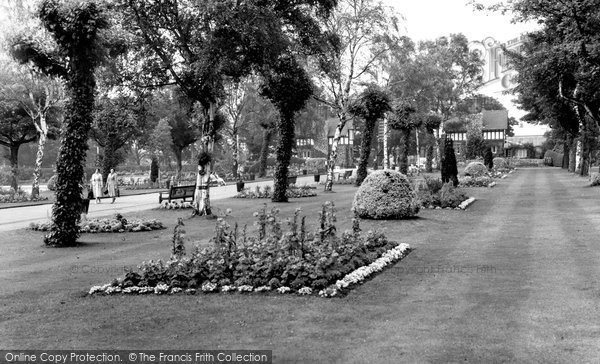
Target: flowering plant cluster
<point>12,196</point>
<point>271,259</point>
<point>267,192</point>
<point>483,181</point>
<point>118,224</point>
<point>175,205</point>
<point>434,194</point>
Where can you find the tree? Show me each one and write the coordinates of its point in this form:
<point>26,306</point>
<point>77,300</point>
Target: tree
<point>371,106</point>
<point>488,157</point>
<point>449,169</point>
<point>41,98</point>
<point>200,46</point>
<point>113,127</point>
<point>404,119</point>
<point>475,145</point>
<point>75,27</point>
<point>363,31</point>
<point>288,87</point>
<point>16,129</point>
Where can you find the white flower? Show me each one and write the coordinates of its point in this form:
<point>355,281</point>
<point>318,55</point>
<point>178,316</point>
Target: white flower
<point>328,292</point>
<point>305,291</point>
<point>208,287</point>
<point>132,289</point>
<point>161,288</point>
<point>262,288</point>
<point>245,288</point>
<point>283,290</point>
<point>176,290</point>
<point>227,288</point>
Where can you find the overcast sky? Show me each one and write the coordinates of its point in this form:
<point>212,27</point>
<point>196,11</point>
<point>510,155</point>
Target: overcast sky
<point>429,19</point>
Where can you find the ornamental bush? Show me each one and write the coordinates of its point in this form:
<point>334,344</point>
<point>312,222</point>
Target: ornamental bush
<point>500,163</point>
<point>595,179</point>
<point>385,195</point>
<point>476,169</point>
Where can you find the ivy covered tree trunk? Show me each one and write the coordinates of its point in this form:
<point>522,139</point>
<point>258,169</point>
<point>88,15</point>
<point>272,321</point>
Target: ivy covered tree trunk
<point>285,129</point>
<point>72,154</point>
<point>264,152</point>
<point>39,157</point>
<point>566,151</point>
<point>573,155</point>
<point>405,149</point>
<point>178,157</point>
<point>14,166</point>
<point>365,151</point>
<point>429,158</point>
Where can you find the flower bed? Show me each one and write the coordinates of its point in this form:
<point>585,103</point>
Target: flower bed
<point>12,196</point>
<point>118,224</point>
<point>176,205</point>
<point>271,260</point>
<point>434,195</point>
<point>267,192</point>
<point>483,181</point>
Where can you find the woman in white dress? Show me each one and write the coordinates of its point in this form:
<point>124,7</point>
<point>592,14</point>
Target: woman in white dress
<point>111,184</point>
<point>97,184</point>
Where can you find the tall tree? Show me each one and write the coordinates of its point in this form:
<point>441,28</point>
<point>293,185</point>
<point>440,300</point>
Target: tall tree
<point>404,118</point>
<point>371,106</point>
<point>365,31</point>
<point>200,46</point>
<point>75,27</point>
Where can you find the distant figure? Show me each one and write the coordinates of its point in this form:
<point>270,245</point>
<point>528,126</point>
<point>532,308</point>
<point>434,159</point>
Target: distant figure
<point>97,184</point>
<point>111,184</point>
<point>85,196</point>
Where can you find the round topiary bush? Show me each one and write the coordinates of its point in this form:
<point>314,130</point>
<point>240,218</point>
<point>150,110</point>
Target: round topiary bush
<point>476,169</point>
<point>52,183</point>
<point>385,195</point>
<point>500,163</point>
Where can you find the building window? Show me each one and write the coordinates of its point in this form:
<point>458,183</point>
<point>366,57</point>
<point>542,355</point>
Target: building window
<point>494,149</point>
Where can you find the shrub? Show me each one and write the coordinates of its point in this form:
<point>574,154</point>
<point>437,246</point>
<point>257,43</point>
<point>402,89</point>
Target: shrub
<point>154,170</point>
<point>449,169</point>
<point>500,163</point>
<point>476,169</point>
<point>267,192</point>
<point>118,224</point>
<point>52,183</point>
<point>447,196</point>
<point>483,181</point>
<point>385,195</point>
<point>595,179</point>
<point>12,196</point>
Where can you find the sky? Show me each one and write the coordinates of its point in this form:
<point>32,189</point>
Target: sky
<point>429,19</point>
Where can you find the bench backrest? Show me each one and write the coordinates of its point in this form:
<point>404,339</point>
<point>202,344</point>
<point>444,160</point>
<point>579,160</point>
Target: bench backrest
<point>181,191</point>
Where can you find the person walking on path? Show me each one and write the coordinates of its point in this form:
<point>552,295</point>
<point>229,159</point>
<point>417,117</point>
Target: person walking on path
<point>97,184</point>
<point>111,184</point>
<point>86,193</point>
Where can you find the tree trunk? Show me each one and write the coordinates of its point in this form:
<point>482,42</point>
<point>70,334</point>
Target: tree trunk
<point>35,187</point>
<point>201,202</point>
<point>264,152</point>
<point>365,151</point>
<point>578,151</point>
<point>285,129</point>
<point>386,156</point>
<point>236,141</point>
<point>429,158</point>
<point>404,156</point>
<point>333,152</point>
<point>178,153</point>
<point>566,151</point>
<point>572,155</point>
<point>14,166</point>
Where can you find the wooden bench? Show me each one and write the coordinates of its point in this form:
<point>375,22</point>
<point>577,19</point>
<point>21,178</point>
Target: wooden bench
<point>346,175</point>
<point>291,180</point>
<point>177,192</point>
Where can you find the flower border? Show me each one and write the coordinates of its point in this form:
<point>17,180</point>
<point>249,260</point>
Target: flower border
<point>350,280</point>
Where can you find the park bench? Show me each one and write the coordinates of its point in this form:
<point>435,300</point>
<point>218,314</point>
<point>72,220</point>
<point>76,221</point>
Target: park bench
<point>291,180</point>
<point>177,192</point>
<point>345,176</point>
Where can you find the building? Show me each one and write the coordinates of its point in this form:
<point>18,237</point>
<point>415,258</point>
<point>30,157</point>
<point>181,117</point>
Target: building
<point>346,150</point>
<point>495,125</point>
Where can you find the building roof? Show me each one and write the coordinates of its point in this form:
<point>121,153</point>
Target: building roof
<point>492,120</point>
<point>331,124</point>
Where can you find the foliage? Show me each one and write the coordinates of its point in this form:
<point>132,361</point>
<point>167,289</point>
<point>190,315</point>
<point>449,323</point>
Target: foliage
<point>449,169</point>
<point>118,224</point>
<point>500,164</point>
<point>19,195</point>
<point>488,157</point>
<point>385,195</point>
<point>153,170</point>
<point>447,196</point>
<point>595,179</point>
<point>75,27</point>
<point>267,192</point>
<point>481,181</point>
<point>274,257</point>
<point>371,105</point>
<point>475,145</point>
<point>476,169</point>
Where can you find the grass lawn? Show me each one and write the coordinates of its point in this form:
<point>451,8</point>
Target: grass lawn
<point>400,315</point>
